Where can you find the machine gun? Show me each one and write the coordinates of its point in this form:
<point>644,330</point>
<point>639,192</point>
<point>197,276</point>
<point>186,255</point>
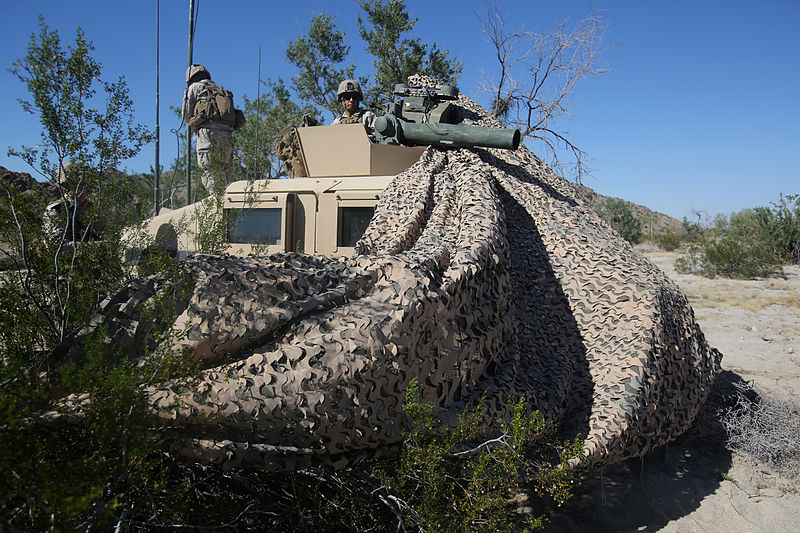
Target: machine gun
<point>425,116</point>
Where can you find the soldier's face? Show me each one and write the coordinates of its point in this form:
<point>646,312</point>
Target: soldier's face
<point>350,102</point>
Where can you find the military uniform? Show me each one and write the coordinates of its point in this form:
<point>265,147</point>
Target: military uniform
<point>67,219</point>
<point>362,115</point>
<point>214,139</point>
<point>351,91</point>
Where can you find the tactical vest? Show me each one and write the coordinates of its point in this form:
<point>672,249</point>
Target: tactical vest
<point>352,119</point>
<point>213,103</point>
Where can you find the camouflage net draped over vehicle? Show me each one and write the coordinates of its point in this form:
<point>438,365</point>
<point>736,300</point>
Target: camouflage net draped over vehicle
<point>480,273</point>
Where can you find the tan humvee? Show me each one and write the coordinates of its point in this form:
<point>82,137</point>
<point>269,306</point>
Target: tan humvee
<point>325,213</point>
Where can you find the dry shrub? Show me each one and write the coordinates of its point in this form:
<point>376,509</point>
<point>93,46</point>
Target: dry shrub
<point>766,430</point>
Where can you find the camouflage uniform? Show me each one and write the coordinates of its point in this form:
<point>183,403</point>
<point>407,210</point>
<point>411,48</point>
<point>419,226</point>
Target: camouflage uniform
<point>352,89</point>
<point>362,115</point>
<point>214,139</point>
<point>67,219</point>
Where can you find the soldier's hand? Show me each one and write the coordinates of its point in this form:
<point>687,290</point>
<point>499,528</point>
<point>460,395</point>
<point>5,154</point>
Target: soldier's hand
<point>309,120</point>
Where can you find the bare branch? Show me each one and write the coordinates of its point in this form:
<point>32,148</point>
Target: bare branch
<point>538,75</point>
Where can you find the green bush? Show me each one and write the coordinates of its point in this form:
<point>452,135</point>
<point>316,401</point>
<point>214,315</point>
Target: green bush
<point>779,226</point>
<point>80,473</point>
<point>729,257</point>
<point>619,215</point>
<point>668,241</point>
<point>747,244</point>
<point>437,487</point>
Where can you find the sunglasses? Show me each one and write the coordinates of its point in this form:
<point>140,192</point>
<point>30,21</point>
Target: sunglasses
<point>349,97</point>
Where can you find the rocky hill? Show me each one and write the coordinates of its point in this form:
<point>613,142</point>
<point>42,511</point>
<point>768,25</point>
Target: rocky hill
<point>24,183</point>
<point>653,222</point>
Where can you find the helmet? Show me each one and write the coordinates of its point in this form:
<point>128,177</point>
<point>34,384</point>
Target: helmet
<point>349,87</point>
<point>196,73</point>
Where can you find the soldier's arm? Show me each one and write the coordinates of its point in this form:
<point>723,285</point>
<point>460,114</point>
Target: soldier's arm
<point>369,120</point>
<point>189,99</point>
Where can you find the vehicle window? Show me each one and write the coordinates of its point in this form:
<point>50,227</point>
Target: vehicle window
<point>352,223</point>
<point>254,226</point>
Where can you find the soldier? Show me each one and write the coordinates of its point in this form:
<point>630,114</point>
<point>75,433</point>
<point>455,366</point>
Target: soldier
<point>208,109</point>
<point>351,96</point>
<point>67,217</point>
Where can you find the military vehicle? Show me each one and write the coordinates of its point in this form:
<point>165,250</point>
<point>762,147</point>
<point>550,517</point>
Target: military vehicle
<point>482,277</point>
<point>338,175</point>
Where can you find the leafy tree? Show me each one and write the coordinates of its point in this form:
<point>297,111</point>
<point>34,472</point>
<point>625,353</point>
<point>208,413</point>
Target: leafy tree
<point>619,215</point>
<point>85,475</point>
<point>319,57</point>
<point>255,153</point>
<point>396,57</point>
<point>65,269</point>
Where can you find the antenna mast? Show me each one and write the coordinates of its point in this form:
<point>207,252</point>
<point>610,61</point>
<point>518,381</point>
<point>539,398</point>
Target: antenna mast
<point>188,129</point>
<point>258,112</point>
<point>157,188</point>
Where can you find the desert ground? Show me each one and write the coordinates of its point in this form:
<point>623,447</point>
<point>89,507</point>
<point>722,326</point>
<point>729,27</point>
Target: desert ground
<point>695,483</point>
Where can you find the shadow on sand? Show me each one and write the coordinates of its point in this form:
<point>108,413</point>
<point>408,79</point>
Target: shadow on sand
<point>645,493</point>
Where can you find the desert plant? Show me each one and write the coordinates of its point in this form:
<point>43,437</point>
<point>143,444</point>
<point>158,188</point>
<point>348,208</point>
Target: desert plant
<point>747,244</point>
<point>619,215</point>
<point>694,231</point>
<point>765,429</point>
<point>54,475</point>
<point>728,256</point>
<point>91,468</point>
<point>668,241</point>
<point>457,481</point>
<point>66,262</point>
<point>733,256</point>
<point>780,225</point>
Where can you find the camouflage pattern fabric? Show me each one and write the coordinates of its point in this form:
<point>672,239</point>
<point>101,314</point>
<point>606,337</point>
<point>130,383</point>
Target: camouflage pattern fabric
<point>480,273</point>
<point>288,151</point>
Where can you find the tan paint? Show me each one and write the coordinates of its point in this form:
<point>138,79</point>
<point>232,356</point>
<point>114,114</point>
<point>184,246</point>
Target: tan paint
<point>345,150</point>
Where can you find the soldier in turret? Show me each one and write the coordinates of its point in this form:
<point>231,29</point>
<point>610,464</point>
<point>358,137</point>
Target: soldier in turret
<point>208,109</point>
<point>350,95</point>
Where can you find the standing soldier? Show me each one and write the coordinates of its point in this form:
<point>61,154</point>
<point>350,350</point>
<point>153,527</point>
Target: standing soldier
<point>350,95</point>
<point>208,110</point>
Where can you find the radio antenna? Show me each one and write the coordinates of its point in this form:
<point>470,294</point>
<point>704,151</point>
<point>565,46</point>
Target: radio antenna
<point>188,129</point>
<point>157,188</point>
<point>258,113</point>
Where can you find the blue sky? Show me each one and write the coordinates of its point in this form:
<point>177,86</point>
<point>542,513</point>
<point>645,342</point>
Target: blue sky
<point>701,111</point>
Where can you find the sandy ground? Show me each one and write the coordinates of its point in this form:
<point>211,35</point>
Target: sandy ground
<point>695,483</point>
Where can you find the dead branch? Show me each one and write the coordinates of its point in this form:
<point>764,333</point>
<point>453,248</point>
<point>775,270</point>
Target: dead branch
<point>539,72</point>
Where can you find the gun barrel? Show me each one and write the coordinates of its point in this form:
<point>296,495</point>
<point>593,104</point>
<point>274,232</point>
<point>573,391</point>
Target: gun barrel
<point>447,135</point>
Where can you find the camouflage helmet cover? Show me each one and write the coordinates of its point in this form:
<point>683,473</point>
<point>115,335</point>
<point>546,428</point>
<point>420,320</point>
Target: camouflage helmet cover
<point>193,71</point>
<point>349,87</point>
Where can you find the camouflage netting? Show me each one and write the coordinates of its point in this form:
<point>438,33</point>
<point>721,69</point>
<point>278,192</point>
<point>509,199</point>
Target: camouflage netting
<point>480,273</point>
